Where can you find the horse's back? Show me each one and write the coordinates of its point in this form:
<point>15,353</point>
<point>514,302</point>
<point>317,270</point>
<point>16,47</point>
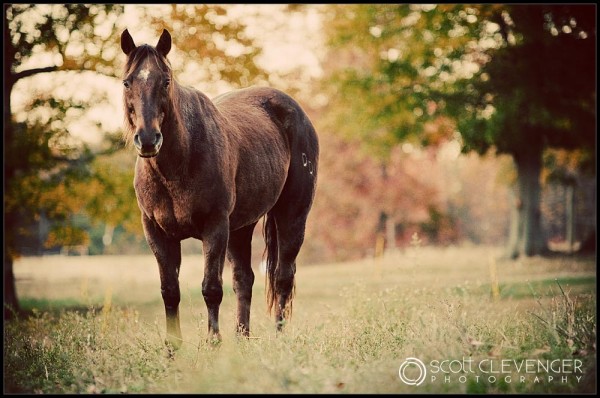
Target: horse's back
<point>278,105</point>
<point>249,95</point>
<point>281,108</point>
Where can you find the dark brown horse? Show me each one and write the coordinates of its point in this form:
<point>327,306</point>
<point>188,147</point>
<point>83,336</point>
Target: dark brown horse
<point>211,170</point>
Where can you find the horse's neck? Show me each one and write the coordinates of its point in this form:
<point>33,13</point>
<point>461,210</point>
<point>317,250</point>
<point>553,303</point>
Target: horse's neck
<point>201,122</point>
<point>193,135</point>
<point>172,161</point>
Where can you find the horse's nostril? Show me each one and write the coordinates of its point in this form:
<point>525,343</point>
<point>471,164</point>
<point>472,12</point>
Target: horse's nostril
<point>157,138</point>
<point>136,141</point>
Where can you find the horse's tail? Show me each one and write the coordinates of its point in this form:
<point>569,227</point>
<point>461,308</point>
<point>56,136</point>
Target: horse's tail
<point>272,251</point>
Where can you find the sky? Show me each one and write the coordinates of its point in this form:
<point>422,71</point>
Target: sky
<point>289,41</point>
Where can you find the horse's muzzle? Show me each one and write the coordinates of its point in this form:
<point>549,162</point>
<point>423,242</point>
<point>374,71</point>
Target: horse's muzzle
<point>148,147</point>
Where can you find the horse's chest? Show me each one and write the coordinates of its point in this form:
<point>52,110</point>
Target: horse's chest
<point>172,209</point>
<point>173,216</point>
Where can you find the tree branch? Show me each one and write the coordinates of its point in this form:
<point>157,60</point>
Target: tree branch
<point>35,71</point>
<point>68,67</point>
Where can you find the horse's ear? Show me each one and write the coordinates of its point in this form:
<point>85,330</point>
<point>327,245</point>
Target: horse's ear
<point>127,44</point>
<point>164,43</point>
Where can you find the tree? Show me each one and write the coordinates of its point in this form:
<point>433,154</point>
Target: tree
<point>541,84</point>
<point>518,78</point>
<point>40,161</point>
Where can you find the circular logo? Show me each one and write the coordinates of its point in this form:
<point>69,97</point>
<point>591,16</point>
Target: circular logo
<point>409,375</point>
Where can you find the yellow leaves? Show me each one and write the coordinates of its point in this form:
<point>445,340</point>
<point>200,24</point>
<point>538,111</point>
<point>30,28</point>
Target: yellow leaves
<point>22,197</point>
<point>66,235</point>
<point>564,165</point>
<point>438,131</point>
<point>61,200</point>
<point>71,64</point>
<point>108,196</point>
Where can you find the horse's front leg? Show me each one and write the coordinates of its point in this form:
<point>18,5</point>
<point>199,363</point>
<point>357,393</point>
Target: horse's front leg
<point>215,246</point>
<point>168,255</point>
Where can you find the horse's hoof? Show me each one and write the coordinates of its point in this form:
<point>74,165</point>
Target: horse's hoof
<point>214,339</point>
<point>280,325</point>
<point>172,345</point>
<point>169,351</point>
<point>242,332</point>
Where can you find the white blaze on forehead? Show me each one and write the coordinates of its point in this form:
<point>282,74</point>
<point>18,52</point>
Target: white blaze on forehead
<point>144,73</point>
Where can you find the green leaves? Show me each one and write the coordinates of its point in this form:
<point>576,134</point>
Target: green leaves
<point>509,76</point>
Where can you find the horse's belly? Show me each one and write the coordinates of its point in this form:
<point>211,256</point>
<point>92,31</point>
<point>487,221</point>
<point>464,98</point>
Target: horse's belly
<point>255,197</point>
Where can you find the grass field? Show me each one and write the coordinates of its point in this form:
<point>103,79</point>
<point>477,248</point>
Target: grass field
<point>478,325</point>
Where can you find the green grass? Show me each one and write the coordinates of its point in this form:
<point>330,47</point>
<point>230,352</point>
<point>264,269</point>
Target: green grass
<point>353,326</point>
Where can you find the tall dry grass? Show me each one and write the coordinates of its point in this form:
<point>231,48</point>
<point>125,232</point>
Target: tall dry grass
<point>97,325</point>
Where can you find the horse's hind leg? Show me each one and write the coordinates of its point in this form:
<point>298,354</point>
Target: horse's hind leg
<point>290,236</point>
<point>239,253</point>
<point>215,248</point>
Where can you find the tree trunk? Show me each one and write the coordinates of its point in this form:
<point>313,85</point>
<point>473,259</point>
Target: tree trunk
<point>516,231</point>
<point>527,237</point>
<point>390,232</point>
<point>570,210</point>
<point>11,304</point>
<point>380,234</point>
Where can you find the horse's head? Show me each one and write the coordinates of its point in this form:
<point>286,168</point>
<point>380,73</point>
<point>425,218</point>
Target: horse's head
<point>146,92</point>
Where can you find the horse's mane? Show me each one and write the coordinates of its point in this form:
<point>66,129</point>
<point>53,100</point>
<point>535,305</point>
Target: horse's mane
<point>134,60</point>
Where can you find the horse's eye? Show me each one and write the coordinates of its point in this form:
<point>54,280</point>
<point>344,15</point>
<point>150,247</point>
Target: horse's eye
<point>126,83</point>
<point>167,82</point>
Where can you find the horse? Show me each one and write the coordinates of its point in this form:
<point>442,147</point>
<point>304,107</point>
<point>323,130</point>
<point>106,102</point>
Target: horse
<point>210,170</point>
